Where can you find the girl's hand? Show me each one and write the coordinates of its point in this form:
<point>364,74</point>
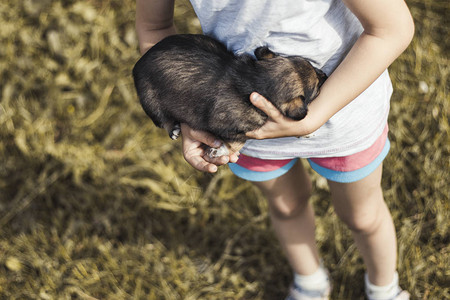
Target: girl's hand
<point>194,144</point>
<point>277,124</point>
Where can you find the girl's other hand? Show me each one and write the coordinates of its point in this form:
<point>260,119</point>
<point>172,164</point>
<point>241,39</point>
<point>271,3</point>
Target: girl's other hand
<point>278,125</point>
<point>194,153</point>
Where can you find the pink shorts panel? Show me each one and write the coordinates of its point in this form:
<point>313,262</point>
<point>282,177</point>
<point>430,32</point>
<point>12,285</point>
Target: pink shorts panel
<point>261,165</point>
<point>355,161</point>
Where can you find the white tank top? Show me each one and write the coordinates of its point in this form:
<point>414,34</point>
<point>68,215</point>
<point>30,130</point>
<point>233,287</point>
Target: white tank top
<point>322,31</point>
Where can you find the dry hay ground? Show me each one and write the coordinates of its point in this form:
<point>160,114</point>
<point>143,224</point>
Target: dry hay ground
<point>96,203</point>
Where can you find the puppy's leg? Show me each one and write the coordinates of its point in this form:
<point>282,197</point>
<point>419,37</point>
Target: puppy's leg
<point>217,152</point>
<point>235,146</point>
<point>225,149</point>
<point>173,128</point>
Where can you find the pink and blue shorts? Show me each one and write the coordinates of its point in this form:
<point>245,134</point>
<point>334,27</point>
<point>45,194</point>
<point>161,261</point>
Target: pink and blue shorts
<point>340,169</point>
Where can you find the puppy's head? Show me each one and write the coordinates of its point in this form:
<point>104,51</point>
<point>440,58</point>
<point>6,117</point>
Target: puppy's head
<point>294,82</point>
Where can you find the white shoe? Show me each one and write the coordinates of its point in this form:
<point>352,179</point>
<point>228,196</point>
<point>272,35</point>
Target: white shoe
<point>374,292</point>
<point>295,293</point>
<point>403,295</point>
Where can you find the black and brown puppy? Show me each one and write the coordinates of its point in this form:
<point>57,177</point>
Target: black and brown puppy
<point>194,79</point>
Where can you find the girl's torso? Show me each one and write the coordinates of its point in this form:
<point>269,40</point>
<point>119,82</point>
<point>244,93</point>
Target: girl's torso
<point>320,30</point>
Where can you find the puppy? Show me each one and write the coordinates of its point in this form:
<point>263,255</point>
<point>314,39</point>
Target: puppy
<point>194,79</point>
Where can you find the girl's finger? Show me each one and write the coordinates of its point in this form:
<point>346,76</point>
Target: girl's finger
<point>200,164</point>
<point>201,136</point>
<point>194,156</point>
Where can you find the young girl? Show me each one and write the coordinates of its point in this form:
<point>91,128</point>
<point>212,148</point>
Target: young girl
<point>344,135</point>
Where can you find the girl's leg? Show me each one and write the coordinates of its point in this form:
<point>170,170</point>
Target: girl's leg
<point>292,217</point>
<point>361,206</point>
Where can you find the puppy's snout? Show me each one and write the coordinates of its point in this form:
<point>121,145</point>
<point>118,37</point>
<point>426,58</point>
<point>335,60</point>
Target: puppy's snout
<point>295,109</point>
<point>321,76</point>
<point>298,113</point>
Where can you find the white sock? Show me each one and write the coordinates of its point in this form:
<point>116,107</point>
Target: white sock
<point>375,292</point>
<point>318,281</point>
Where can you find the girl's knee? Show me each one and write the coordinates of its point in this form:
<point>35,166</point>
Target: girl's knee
<point>289,207</point>
<point>366,221</point>
<point>365,224</point>
<point>288,194</point>
<point>360,205</point>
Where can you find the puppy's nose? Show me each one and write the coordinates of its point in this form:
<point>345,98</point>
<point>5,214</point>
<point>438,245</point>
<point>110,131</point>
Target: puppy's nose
<point>321,76</point>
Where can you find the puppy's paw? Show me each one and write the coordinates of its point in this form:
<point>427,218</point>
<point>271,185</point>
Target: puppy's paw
<point>217,152</point>
<point>175,132</point>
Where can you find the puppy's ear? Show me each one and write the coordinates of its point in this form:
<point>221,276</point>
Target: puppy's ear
<point>264,53</point>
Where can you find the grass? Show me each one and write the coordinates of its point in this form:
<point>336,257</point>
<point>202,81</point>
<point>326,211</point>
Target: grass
<point>97,203</point>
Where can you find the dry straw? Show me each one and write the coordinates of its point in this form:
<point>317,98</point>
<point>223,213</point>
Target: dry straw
<point>97,203</point>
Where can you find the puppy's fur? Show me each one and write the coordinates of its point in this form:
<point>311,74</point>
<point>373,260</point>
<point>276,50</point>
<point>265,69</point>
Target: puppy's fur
<point>194,79</point>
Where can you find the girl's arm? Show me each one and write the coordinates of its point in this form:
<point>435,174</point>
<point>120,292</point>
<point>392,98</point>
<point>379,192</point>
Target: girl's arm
<point>388,30</point>
<point>154,21</point>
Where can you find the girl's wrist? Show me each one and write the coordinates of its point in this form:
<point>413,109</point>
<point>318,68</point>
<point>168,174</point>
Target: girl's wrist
<point>148,38</point>
<point>311,123</point>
